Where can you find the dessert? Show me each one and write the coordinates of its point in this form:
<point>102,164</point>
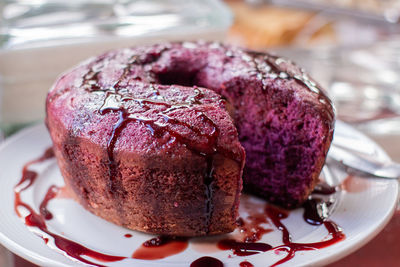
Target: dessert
<point>144,140</point>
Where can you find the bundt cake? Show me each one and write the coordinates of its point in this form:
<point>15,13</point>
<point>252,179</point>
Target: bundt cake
<point>151,137</point>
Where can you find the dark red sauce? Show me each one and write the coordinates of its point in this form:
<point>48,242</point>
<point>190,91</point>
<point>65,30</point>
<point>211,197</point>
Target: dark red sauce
<point>246,264</point>
<point>276,215</point>
<point>207,262</point>
<point>316,208</point>
<point>160,247</point>
<point>38,220</point>
<point>323,188</point>
<point>162,240</point>
<point>243,248</point>
<point>29,177</point>
<point>128,235</point>
<point>312,215</point>
<point>52,192</point>
<point>251,229</point>
<point>163,246</point>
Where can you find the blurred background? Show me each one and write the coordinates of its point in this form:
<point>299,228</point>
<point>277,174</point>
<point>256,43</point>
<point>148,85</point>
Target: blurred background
<point>351,47</point>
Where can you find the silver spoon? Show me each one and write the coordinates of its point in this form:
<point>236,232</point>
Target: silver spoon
<point>364,163</point>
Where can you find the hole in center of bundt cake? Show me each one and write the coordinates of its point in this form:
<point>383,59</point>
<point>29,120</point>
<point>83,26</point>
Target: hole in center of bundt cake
<point>178,77</point>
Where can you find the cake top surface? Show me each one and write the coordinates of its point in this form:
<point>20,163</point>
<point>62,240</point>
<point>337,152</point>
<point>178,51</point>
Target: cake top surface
<point>103,101</point>
<point>133,86</point>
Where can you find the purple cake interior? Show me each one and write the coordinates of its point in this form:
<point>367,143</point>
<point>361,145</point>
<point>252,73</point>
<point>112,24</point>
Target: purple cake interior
<point>284,119</point>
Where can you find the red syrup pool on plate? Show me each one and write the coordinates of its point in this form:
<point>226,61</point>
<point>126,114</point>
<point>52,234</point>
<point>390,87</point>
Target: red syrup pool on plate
<point>163,246</point>
<point>38,220</point>
<point>251,229</point>
<point>207,262</point>
<point>312,215</point>
<point>160,247</point>
<point>246,264</point>
<point>290,247</point>
<point>276,216</point>
<point>52,192</point>
<point>323,188</point>
<point>243,248</point>
<point>316,207</point>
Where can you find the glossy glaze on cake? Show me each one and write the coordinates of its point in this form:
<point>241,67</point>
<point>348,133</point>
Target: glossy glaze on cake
<point>144,144</point>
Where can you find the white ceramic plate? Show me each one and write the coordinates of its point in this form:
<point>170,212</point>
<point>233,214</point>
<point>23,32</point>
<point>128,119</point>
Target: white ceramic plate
<point>361,211</point>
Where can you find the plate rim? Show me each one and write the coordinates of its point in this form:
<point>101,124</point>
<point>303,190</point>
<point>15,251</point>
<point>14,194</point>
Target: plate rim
<point>340,252</point>
<point>6,241</point>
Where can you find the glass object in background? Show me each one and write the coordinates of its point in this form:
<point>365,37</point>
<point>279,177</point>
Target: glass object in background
<point>363,82</point>
<point>265,23</point>
<point>40,39</point>
<point>37,23</point>
<point>379,10</point>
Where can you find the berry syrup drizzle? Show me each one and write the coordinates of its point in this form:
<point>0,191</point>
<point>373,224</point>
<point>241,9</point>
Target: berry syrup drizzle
<point>290,247</point>
<point>245,264</point>
<point>164,246</point>
<point>38,220</point>
<point>207,262</point>
<point>160,247</point>
<point>314,214</point>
